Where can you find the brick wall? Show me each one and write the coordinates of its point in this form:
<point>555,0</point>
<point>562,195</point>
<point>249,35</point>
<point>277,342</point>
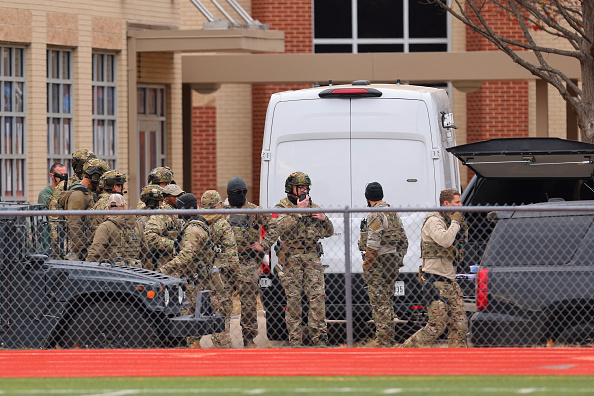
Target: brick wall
<point>295,18</point>
<point>499,108</point>
<point>204,149</point>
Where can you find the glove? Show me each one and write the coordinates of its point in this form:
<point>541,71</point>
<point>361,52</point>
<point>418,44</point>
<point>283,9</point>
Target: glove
<point>370,256</point>
<point>457,217</point>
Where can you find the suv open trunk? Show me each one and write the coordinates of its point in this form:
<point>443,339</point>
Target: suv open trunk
<point>520,171</point>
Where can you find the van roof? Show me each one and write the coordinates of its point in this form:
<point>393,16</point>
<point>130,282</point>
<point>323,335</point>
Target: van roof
<point>393,91</point>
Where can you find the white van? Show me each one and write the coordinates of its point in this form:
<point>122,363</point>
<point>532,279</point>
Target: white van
<point>344,137</point>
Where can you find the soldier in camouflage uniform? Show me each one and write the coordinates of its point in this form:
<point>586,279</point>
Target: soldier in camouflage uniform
<point>111,182</point>
<point>439,250</point>
<point>79,158</point>
<point>81,196</point>
<point>162,231</point>
<point>195,257</point>
<point>251,248</point>
<point>160,176</point>
<point>118,238</point>
<point>227,264</point>
<point>300,259</point>
<point>152,197</point>
<point>384,243</point>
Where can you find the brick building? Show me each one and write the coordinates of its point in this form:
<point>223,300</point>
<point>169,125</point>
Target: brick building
<point>144,84</point>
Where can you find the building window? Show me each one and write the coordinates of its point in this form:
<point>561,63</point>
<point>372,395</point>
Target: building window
<point>152,135</point>
<point>59,107</point>
<point>13,127</point>
<point>359,26</point>
<point>104,108</point>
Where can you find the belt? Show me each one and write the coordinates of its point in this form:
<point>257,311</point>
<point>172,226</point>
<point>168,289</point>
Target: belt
<point>436,278</point>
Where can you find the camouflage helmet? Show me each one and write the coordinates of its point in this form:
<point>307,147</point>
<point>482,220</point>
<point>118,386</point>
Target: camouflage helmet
<point>79,158</point>
<point>111,178</point>
<point>296,179</point>
<point>161,174</point>
<point>210,199</point>
<point>94,168</point>
<point>151,194</point>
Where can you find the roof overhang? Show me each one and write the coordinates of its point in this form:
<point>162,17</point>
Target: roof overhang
<point>420,67</point>
<point>234,40</point>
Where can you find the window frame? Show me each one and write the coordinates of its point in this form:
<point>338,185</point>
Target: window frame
<point>16,155</point>
<point>64,154</point>
<point>354,41</point>
<point>100,145</point>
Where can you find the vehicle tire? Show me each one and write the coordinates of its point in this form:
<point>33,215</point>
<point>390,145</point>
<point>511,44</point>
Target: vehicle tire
<point>111,324</point>
<point>581,334</point>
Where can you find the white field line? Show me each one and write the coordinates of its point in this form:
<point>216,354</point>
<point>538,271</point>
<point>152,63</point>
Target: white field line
<point>262,391</point>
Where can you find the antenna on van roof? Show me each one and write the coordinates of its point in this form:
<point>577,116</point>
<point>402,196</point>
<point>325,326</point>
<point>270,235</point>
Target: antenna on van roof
<point>316,84</point>
<point>329,83</point>
<point>398,82</point>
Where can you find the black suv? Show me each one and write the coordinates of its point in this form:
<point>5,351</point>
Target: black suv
<point>519,171</point>
<point>47,302</point>
<point>535,280</point>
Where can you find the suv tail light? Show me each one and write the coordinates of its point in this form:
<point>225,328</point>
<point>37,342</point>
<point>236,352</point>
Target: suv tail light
<point>482,288</point>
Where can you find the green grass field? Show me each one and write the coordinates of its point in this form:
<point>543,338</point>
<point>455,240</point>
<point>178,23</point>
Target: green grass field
<point>413,385</point>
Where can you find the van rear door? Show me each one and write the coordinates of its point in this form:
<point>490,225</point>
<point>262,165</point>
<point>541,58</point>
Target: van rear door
<point>391,142</point>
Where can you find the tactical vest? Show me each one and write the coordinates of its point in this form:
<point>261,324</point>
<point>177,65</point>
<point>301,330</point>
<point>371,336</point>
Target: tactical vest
<point>129,247</point>
<point>392,233</point>
<point>245,230</point>
<point>432,250</point>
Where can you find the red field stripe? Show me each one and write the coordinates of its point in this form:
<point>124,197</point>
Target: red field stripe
<point>275,362</point>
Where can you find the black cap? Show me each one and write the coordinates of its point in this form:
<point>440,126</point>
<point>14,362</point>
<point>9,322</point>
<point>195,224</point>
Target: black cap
<point>236,183</point>
<point>374,191</point>
<point>187,201</point>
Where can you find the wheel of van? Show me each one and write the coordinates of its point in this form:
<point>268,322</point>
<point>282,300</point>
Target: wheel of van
<point>109,325</point>
<point>582,334</point>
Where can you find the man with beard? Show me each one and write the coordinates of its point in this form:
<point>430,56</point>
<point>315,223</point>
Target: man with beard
<point>81,196</point>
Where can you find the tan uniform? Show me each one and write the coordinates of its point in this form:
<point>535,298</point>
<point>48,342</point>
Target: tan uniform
<point>118,237</point>
<point>447,306</point>
<point>78,198</point>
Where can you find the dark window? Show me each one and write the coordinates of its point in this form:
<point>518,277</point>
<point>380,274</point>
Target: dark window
<point>333,48</point>
<point>381,48</point>
<point>426,20</point>
<point>541,241</point>
<point>333,19</point>
<point>380,18</point>
<point>427,47</point>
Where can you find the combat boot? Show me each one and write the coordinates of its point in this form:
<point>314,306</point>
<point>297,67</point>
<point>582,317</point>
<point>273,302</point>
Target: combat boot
<point>248,342</point>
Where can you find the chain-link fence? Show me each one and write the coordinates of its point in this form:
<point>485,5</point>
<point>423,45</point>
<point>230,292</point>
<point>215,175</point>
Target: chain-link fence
<point>287,277</point>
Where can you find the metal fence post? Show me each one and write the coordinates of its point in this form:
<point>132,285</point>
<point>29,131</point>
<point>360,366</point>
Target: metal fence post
<point>347,277</point>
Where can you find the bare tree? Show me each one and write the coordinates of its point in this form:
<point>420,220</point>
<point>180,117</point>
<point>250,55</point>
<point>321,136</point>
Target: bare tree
<point>570,20</point>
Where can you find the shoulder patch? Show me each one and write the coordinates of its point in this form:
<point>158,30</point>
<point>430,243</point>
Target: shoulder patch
<point>375,225</point>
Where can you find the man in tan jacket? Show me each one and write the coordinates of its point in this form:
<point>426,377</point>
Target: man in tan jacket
<point>440,253</point>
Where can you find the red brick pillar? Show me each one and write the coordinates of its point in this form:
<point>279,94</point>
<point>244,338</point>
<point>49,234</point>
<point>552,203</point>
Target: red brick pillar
<point>499,108</point>
<point>204,149</point>
<point>295,18</point>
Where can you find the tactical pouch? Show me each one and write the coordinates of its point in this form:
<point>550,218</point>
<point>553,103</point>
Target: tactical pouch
<point>319,249</point>
<point>362,244</point>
